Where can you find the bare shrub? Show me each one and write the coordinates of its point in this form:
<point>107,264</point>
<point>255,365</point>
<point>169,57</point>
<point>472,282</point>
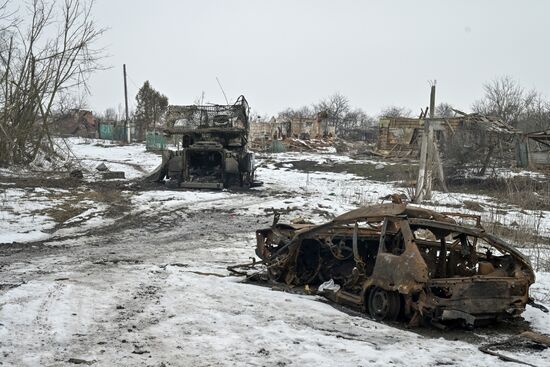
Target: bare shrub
<point>42,58</point>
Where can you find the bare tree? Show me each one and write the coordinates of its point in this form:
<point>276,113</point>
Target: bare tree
<point>42,58</point>
<point>357,118</point>
<point>536,116</point>
<point>68,100</point>
<point>110,114</point>
<point>292,113</point>
<point>356,124</point>
<point>395,111</point>
<point>444,110</point>
<point>505,99</point>
<point>336,108</point>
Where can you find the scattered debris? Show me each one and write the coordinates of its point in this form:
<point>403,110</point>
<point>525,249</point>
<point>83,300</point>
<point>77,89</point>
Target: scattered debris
<point>180,265</point>
<point>4,286</point>
<point>102,167</point>
<point>80,361</point>
<point>473,205</point>
<point>138,350</point>
<point>111,175</point>
<point>534,304</point>
<point>397,259</point>
<point>527,340</point>
<point>206,273</point>
<point>77,173</point>
<point>118,261</point>
<point>292,134</point>
<point>328,286</point>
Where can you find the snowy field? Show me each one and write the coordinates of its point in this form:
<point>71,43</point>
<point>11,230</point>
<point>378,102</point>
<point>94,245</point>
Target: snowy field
<point>112,277</point>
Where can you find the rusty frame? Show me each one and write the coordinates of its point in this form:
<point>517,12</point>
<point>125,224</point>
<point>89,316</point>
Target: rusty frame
<point>441,278</point>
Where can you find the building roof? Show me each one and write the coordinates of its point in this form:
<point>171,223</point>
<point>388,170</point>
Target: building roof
<point>489,123</point>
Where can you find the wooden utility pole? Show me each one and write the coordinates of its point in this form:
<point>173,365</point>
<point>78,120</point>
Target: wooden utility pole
<point>424,180</point>
<point>127,124</point>
<point>421,179</point>
<point>430,146</point>
<point>435,159</point>
<point>429,156</point>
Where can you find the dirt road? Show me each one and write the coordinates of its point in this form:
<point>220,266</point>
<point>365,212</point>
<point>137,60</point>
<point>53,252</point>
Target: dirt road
<point>149,287</point>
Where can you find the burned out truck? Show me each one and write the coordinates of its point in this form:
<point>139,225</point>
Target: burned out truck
<point>212,147</point>
<point>400,261</point>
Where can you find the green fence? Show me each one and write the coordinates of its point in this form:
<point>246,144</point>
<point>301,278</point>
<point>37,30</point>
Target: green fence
<point>278,147</point>
<point>154,141</point>
<point>522,153</point>
<point>111,132</point>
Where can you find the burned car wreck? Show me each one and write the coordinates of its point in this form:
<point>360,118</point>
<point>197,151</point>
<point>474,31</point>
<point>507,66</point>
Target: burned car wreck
<point>399,261</point>
<point>214,150</point>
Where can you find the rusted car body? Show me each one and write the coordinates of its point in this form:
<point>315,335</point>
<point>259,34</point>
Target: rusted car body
<point>212,148</point>
<point>399,261</point>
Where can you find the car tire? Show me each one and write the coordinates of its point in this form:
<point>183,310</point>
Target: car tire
<point>383,305</point>
<point>172,184</point>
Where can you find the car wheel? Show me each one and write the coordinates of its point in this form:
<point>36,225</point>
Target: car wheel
<point>384,305</point>
<point>172,183</point>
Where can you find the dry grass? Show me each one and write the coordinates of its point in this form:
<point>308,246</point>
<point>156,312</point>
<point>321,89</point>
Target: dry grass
<point>73,204</point>
<point>528,236</point>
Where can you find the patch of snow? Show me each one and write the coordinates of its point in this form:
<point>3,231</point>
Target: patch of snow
<point>133,159</point>
<point>21,215</point>
<point>540,291</point>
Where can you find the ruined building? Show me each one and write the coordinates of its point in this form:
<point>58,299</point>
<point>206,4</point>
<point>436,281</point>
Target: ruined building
<point>399,137</point>
<point>264,134</point>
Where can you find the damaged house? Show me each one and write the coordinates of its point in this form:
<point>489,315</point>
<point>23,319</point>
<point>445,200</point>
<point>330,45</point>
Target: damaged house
<point>277,134</point>
<point>400,137</point>
<point>469,142</point>
<point>77,122</point>
<point>533,150</point>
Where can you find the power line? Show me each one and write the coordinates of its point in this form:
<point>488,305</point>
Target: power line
<point>132,81</point>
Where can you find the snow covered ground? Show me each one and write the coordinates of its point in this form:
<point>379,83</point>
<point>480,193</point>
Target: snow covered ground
<point>146,283</point>
<point>19,220</point>
<point>133,159</point>
<point>26,213</point>
<point>322,194</point>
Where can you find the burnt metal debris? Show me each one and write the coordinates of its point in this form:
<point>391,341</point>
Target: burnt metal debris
<point>214,147</point>
<point>527,341</point>
<point>400,261</point>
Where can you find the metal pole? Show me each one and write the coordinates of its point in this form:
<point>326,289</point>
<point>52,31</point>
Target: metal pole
<point>126,104</point>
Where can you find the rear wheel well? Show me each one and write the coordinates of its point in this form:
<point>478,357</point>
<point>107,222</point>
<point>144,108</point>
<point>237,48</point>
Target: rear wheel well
<point>383,304</point>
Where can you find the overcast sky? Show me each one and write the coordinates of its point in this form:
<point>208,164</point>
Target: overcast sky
<point>291,53</point>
